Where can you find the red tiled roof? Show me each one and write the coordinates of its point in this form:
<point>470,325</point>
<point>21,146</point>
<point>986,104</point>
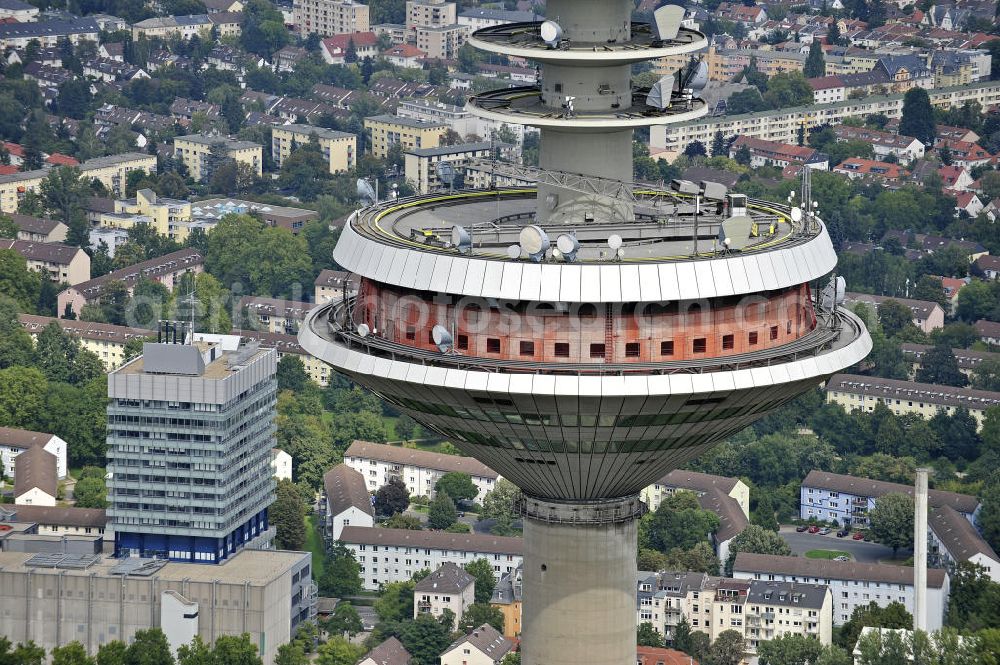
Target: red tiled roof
<point>826,82</point>
<point>340,42</point>
<point>654,655</point>
<point>14,148</point>
<point>61,160</point>
<point>404,51</point>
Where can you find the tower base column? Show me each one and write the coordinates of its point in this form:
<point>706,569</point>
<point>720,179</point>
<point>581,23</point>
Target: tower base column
<point>580,581</point>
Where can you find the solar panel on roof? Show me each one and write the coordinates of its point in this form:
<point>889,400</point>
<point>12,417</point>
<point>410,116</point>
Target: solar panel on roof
<point>62,561</point>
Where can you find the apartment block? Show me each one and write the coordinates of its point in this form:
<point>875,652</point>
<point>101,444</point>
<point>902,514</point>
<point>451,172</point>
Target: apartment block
<point>952,539</point>
<point>759,610</point>
<point>330,285</point>
<point>339,148</point>
<point>924,399</point>
<point>507,595</point>
<point>274,314</point>
<point>847,499</point>
<point>185,27</point>
<point>670,140</point>
<point>346,502</point>
<point>110,171</point>
<point>968,359</point>
<point>53,599</point>
<point>318,371</point>
<point>170,217</point>
<point>418,469</point>
<point>63,264</point>
<point>199,489</point>
<point>775,153</point>
<point>852,584</point>
<point>330,17</point>
<point>39,229</point>
<point>430,13</point>
<point>196,151</point>
<point>105,340</point>
<point>430,110</point>
<point>927,315</point>
<point>699,483</point>
<point>441,42</point>
<point>388,130</point>
<point>421,165</point>
<point>14,441</point>
<point>393,555</point>
<point>48,33</point>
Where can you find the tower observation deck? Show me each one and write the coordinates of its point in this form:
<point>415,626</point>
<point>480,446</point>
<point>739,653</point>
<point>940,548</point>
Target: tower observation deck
<point>586,335</point>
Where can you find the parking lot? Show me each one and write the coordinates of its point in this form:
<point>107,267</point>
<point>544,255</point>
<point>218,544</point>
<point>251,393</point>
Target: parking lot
<point>858,549</point>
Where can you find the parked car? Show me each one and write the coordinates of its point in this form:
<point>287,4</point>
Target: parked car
<point>843,532</point>
<point>814,529</point>
<point>824,531</point>
<point>858,536</point>
<point>800,528</point>
<point>842,557</point>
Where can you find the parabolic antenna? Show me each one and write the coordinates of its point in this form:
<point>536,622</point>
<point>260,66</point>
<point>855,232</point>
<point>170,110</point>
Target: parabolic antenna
<point>614,241</point>
<point>699,77</point>
<point>659,95</point>
<point>796,214</point>
<point>551,33</point>
<point>514,252</point>
<point>734,233</point>
<point>363,330</point>
<point>365,190</point>
<point>667,22</point>
<point>534,241</point>
<point>461,239</point>
<point>568,246</point>
<point>442,338</point>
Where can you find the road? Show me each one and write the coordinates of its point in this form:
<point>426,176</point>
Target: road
<point>858,549</point>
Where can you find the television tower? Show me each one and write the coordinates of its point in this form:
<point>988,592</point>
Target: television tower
<point>585,336</point>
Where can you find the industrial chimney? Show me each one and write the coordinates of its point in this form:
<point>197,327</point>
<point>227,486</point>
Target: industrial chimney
<point>920,553</point>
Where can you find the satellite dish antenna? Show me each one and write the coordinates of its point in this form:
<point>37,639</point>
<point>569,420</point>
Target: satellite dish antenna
<point>551,33</point>
<point>620,253</point>
<point>446,173</point>
<point>734,233</point>
<point>365,190</point>
<point>667,22</point>
<point>841,290</point>
<point>796,214</point>
<point>363,330</point>
<point>699,77</point>
<point>567,245</point>
<point>534,242</point>
<point>442,338</point>
<point>659,95</point>
<point>614,241</point>
<point>514,252</point>
<point>461,239</point>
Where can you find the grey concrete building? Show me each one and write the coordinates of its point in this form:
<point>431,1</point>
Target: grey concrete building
<point>190,432</point>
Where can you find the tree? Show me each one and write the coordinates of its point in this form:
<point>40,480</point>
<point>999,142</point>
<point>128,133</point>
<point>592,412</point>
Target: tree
<point>727,649</point>
<point>406,427</point>
<point>288,514</point>
<point>482,570</point>
<point>788,89</point>
<point>112,653</point>
<point>338,651</point>
<point>22,394</point>
<point>64,196</point>
<point>90,492</point>
<point>457,485</point>
<point>695,149</point>
<point>986,375</point>
<point>341,573</point>
<point>425,639</point>
<point>939,365</point>
<point>478,614</point>
<point>235,650</point>
<point>648,636</point>
<point>878,648</point>
<point>17,281</point>
<point>345,619</point>
<point>500,505</point>
<point>679,522</point>
<point>392,498</point>
<point>24,654</point>
<point>291,653</point>
<point>789,649</point>
<point>815,65</point>
<point>973,599</point>
<point>401,521</point>
<point>682,636</point>
<point>756,540</point>
<point>893,615</point>
<point>71,654</point>
<point>149,647</point>
<point>918,116</point>
<point>292,373</point>
<point>891,520</point>
<point>442,512</point>
<point>894,317</point>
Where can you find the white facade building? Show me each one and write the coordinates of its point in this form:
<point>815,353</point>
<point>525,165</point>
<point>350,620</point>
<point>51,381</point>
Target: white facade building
<point>281,464</point>
<point>13,442</point>
<point>393,555</point>
<point>952,539</point>
<point>346,501</point>
<point>852,584</point>
<point>449,587</point>
<point>418,469</point>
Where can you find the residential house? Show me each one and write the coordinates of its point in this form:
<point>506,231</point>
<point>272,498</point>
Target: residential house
<point>20,12</point>
<point>336,50</point>
<point>740,13</point>
<point>953,540</point>
<point>281,464</point>
<point>483,646</point>
<point>927,315</point>
<point>389,652</point>
<point>36,479</point>
<point>418,469</point>
<point>274,314</point>
<point>393,555</point>
<point>105,340</point>
<point>773,153</point>
<point>507,595</point>
<point>905,148</point>
<point>406,56</point>
<point>969,204</point>
<point>955,178</point>
<point>36,229</point>
<point>184,27</point>
<point>185,109</point>
<point>988,331</point>
<point>988,266</point>
<point>287,58</point>
<point>63,264</point>
<point>346,501</point>
<point>967,155</point>
<point>858,167</point>
<point>924,399</point>
<point>14,441</point>
<point>449,587</point>
<point>330,285</point>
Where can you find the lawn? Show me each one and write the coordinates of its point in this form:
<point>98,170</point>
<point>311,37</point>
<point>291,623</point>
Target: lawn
<point>825,554</point>
<point>314,543</point>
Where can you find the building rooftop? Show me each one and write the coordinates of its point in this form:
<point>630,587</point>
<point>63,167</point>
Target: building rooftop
<point>789,594</point>
<point>440,540</point>
<point>210,140</point>
<point>30,224</point>
<point>837,482</point>
<point>151,268</point>
<point>54,28</point>
<point>420,458</point>
<point>389,652</point>
<point>448,578</point>
<point>957,534</point>
<point>345,488</point>
<point>35,468</point>
<point>455,149</point>
<point>309,130</point>
<point>701,482</point>
<point>406,122</point>
<point>59,515</point>
<point>23,438</point>
<point>662,656</point>
<point>932,393</point>
<point>834,570</point>
<point>487,640</point>
<point>48,252</point>
<point>968,359</point>
<point>921,309</point>
<point>732,521</point>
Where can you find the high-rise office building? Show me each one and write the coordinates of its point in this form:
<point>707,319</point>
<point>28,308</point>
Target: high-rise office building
<point>190,432</point>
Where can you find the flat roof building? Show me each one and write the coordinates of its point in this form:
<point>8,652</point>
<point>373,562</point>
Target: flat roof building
<point>389,130</point>
<point>421,169</point>
<point>201,489</point>
<point>207,212</point>
<point>339,148</point>
<point>196,151</point>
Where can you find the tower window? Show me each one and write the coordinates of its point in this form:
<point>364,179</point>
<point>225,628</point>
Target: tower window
<point>463,342</point>
<point>699,345</point>
<point>411,333</point>
<point>752,338</point>
<point>527,348</point>
<point>492,345</point>
<point>562,349</point>
<point>788,328</point>
<point>596,350</point>
<point>728,341</point>
<point>774,332</point>
<point>632,350</point>
<point>430,336</point>
<point>667,348</point>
